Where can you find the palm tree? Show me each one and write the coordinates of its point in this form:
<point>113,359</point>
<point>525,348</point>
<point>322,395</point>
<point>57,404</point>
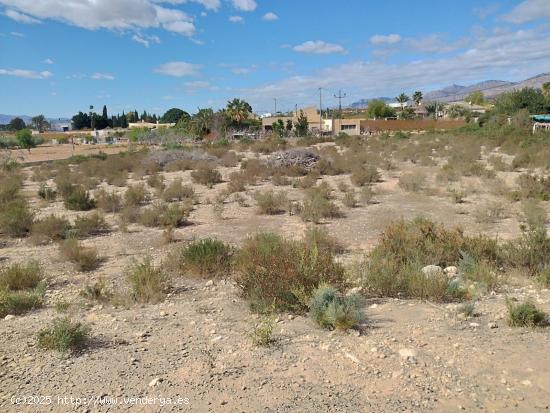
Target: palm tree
<point>238,110</point>
<point>402,99</point>
<point>417,97</point>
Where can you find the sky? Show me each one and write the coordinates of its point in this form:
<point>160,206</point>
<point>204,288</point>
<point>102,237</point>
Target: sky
<point>58,57</point>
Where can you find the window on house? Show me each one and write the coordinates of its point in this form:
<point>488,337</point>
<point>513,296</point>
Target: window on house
<point>348,127</point>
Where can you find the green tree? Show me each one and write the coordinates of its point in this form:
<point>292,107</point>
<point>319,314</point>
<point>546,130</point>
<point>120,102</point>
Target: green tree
<point>40,123</point>
<point>402,99</point>
<point>475,98</point>
<point>377,109</point>
<point>201,122</point>
<point>16,124</point>
<point>289,126</point>
<point>81,121</point>
<point>173,115</point>
<point>238,111</point>
<point>528,98</point>
<point>301,125</point>
<point>104,113</point>
<point>417,97</point>
<point>278,128</point>
<point>25,140</point>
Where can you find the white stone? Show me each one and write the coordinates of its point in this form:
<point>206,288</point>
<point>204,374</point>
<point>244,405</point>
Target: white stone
<point>432,270</point>
<point>407,353</point>
<point>155,381</point>
<point>9,317</point>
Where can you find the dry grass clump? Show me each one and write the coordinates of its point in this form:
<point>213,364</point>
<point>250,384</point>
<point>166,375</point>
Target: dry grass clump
<point>176,191</point>
<point>533,186</point>
<point>47,193</point>
<point>108,201</point>
<point>48,229</point>
<point>413,181</point>
<point>136,195</point>
<point>148,283</point>
<point>16,218</point>
<point>156,181</point>
<point>206,175</point>
<point>78,199</point>
<point>21,276</point>
<point>161,214</point>
<point>365,176</point>
<point>350,200</point>
<point>90,225</point>
<point>270,202</point>
<point>315,237</point>
<point>97,291</point>
<point>206,258</point>
<point>279,274</point>
<point>317,205</point>
<point>83,258</point>
<point>393,268</point>
<point>530,252</point>
<point>21,288</point>
<point>490,213</point>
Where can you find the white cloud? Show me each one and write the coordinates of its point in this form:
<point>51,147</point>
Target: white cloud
<point>28,74</point>
<point>378,39</point>
<point>103,14</point>
<point>270,17</point>
<point>529,10</point>
<point>197,84</point>
<point>20,17</point>
<point>17,34</point>
<point>48,61</point>
<point>318,47</point>
<point>506,55</point>
<point>178,69</point>
<point>145,40</point>
<point>102,76</point>
<point>434,43</point>
<point>236,19</point>
<point>244,70</point>
<point>486,11</point>
<point>245,5</point>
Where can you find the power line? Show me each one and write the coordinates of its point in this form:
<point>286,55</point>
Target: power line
<point>340,97</point>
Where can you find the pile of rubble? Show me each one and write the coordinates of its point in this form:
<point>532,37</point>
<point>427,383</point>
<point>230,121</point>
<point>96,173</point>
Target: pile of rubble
<point>293,157</point>
<point>163,158</point>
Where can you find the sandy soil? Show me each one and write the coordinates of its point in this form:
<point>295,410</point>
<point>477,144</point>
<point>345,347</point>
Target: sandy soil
<point>62,151</point>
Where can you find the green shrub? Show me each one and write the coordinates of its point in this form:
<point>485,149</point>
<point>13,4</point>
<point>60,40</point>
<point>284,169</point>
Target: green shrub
<point>19,302</point>
<point>48,229</point>
<point>271,203</point>
<point>90,225</point>
<point>79,200</point>
<point>531,251</point>
<point>319,238</point>
<point>393,268</point>
<point>83,258</point>
<point>468,309</point>
<point>279,273</point>
<point>47,193</point>
<point>148,282</point>
<point>206,175</point>
<point>21,276</point>
<point>525,314</point>
<point>544,278</point>
<point>16,218</point>
<point>108,201</point>
<point>263,331</point>
<point>332,310</point>
<point>63,335</point>
<point>207,258</point>
<point>479,271</point>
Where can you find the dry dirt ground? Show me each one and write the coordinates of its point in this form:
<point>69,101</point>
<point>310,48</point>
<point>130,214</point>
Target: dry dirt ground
<point>409,356</point>
<point>62,151</point>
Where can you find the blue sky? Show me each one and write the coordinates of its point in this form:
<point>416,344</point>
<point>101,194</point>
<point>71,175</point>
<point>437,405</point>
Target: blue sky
<point>60,56</point>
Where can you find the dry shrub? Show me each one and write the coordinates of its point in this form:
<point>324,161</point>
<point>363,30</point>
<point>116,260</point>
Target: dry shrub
<point>206,258</point>
<point>176,191</point>
<point>533,186</point>
<point>156,181</point>
<point>148,283</point>
<point>136,195</point>
<point>281,274</point>
<point>490,213</point>
<point>48,229</point>
<point>206,175</point>
<point>161,214</point>
<point>90,225</point>
<point>21,276</point>
<point>319,238</point>
<point>108,201</point>
<point>317,205</point>
<point>83,258</point>
<point>350,200</point>
<point>413,181</point>
<point>270,202</point>
<point>79,200</point>
<point>365,175</point>
<point>16,218</point>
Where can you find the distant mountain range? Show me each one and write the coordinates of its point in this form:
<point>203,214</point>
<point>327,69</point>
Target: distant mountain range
<point>456,93</point>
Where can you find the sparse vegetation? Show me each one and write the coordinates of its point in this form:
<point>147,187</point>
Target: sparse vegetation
<point>148,283</point>
<point>525,314</point>
<point>270,202</point>
<point>64,335</point>
<point>206,258</point>
<point>331,310</point>
<point>83,258</point>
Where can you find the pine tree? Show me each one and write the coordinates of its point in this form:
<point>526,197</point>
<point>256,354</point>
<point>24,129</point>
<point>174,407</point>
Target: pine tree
<point>104,115</point>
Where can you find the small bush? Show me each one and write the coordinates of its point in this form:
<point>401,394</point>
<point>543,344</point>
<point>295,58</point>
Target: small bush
<point>19,302</point>
<point>319,238</point>
<point>47,193</point>
<point>263,330</point>
<point>490,213</point>
<point>48,229</point>
<point>467,309</point>
<point>332,310</point>
<point>525,314</point>
<point>96,292</point>
<point>207,258</point>
<point>350,200</point>
<point>317,205</point>
<point>531,251</point>
<point>156,181</point>
<point>165,215</point>
<point>16,218</point>
<point>63,335</point>
<point>83,258</point>
<point>206,175</point>
<point>176,191</point>
<point>90,225</point>
<point>412,181</point>
<point>79,200</point>
<point>148,282</point>
<point>108,201</point>
<point>282,274</point>
<point>271,203</point>
<point>364,176</point>
<point>21,276</point>
<point>136,195</point>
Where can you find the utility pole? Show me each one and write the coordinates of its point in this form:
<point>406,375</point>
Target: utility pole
<point>275,99</point>
<point>340,97</point>
<point>296,109</point>
<point>321,110</point>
